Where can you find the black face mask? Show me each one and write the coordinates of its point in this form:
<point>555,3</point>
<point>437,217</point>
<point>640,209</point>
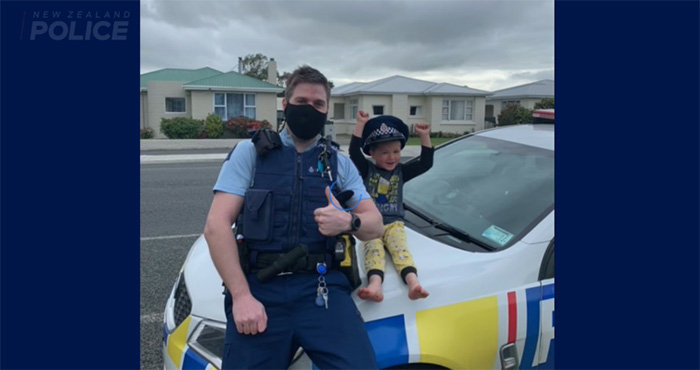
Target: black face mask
<point>304,120</point>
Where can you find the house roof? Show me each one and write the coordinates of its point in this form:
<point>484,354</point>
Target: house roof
<point>208,79</point>
<point>231,81</point>
<point>537,89</point>
<point>404,85</point>
<point>177,75</point>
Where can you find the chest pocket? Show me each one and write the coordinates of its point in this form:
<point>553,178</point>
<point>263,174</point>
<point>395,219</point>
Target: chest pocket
<point>257,215</point>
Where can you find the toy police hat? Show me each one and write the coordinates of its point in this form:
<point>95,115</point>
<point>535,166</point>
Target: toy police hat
<point>382,129</point>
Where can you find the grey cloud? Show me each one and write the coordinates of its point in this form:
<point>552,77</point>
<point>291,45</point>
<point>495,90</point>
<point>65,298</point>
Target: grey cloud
<point>352,40</point>
<point>190,14</point>
<point>534,76</point>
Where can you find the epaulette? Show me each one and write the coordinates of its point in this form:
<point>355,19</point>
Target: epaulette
<point>266,140</point>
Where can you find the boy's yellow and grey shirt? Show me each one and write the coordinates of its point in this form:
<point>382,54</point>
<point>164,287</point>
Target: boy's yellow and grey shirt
<point>385,188</point>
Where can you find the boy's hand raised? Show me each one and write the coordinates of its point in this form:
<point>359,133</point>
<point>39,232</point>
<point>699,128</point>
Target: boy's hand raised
<point>422,129</point>
<point>361,119</point>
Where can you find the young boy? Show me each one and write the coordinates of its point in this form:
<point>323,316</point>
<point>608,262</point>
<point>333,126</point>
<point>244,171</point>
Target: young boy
<point>382,138</point>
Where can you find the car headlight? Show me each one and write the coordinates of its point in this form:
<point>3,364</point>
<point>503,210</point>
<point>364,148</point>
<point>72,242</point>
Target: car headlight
<point>208,341</point>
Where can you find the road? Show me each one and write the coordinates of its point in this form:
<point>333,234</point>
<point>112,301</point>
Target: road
<point>175,199</point>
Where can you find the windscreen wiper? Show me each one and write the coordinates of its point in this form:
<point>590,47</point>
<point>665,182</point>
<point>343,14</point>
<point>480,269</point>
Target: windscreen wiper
<point>421,215</point>
<point>463,236</point>
<point>450,229</point>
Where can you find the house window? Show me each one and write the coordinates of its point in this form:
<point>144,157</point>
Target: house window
<point>220,106</point>
<point>416,111</point>
<point>353,108</point>
<point>377,110</point>
<point>229,106</point>
<point>175,105</point>
<point>249,106</point>
<point>457,110</point>
<point>506,103</point>
<point>338,110</point>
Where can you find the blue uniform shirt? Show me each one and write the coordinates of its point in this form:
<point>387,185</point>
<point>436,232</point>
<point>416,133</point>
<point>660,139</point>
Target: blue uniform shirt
<point>237,171</point>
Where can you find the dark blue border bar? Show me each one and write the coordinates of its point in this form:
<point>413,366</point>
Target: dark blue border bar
<point>69,186</point>
<point>627,184</point>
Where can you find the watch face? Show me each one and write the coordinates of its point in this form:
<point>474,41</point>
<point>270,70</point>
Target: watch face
<point>356,223</point>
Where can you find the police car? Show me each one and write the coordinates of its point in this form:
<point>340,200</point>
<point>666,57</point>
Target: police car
<point>480,226</point>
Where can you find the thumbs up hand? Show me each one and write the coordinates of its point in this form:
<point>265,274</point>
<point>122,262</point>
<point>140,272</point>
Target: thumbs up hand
<point>331,219</point>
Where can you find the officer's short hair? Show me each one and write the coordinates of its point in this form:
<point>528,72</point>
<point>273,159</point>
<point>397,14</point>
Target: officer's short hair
<point>306,74</point>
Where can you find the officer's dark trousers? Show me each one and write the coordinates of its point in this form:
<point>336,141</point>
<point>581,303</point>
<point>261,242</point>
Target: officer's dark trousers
<point>334,338</point>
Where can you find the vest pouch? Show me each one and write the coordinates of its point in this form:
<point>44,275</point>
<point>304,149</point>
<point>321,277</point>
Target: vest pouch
<point>257,215</point>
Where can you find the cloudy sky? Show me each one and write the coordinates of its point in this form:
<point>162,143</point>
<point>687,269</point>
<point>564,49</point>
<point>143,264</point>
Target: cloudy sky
<point>483,44</point>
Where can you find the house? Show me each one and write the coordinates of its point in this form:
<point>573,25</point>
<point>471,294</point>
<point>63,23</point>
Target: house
<point>195,93</point>
<point>447,107</point>
<point>525,95</point>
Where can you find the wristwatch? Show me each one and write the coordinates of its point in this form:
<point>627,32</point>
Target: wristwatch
<point>355,223</point>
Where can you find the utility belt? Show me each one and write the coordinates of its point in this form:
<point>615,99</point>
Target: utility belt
<point>268,265</point>
<point>298,260</point>
<point>304,264</point>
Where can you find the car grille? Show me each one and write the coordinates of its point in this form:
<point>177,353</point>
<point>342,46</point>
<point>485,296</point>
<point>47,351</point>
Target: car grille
<point>183,305</point>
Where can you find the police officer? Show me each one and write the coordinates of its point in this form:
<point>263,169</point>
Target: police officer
<point>280,201</point>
